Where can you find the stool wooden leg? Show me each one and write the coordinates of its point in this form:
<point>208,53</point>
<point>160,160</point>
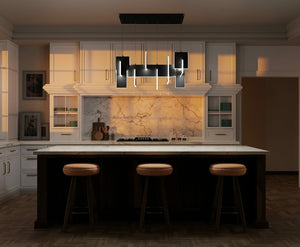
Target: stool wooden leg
<point>219,202</point>
<point>215,201</point>
<point>70,201</point>
<point>240,202</point>
<point>144,202</point>
<point>90,199</point>
<point>164,200</point>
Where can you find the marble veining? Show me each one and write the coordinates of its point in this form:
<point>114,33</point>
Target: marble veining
<point>145,116</point>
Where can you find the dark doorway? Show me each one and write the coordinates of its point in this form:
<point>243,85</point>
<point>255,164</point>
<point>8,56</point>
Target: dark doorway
<point>270,111</point>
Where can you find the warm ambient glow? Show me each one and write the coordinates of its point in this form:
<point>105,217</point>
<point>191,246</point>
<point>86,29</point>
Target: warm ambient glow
<point>262,65</point>
<point>225,62</point>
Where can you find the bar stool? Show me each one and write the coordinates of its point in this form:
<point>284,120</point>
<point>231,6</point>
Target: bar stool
<point>154,170</point>
<point>76,170</point>
<point>224,170</point>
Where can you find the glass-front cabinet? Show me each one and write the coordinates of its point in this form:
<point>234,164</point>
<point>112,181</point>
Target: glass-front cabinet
<point>219,111</point>
<point>64,120</point>
<point>220,119</point>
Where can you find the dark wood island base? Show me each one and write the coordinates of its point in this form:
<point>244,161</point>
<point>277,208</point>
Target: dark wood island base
<point>119,189</point>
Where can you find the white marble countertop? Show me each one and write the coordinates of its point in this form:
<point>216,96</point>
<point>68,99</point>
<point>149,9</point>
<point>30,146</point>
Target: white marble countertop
<point>149,149</point>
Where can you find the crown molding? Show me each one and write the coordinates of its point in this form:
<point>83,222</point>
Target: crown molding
<point>6,29</point>
<point>293,30</point>
<point>239,34</point>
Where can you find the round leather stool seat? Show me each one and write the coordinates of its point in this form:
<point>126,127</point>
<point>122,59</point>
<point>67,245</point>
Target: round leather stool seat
<point>81,169</point>
<point>154,169</point>
<point>228,169</point>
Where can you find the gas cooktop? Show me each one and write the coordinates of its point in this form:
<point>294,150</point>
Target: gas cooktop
<point>142,139</point>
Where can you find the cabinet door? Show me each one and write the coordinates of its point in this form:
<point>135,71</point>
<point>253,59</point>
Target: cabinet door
<point>12,178</point>
<point>221,63</point>
<point>95,62</point>
<point>158,53</point>
<point>64,63</point>
<point>195,73</point>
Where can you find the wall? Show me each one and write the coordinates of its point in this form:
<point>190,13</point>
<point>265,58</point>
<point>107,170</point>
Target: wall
<point>145,116</point>
<point>34,58</point>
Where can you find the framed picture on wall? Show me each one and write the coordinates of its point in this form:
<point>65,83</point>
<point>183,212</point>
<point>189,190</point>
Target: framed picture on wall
<point>33,82</point>
<point>30,126</point>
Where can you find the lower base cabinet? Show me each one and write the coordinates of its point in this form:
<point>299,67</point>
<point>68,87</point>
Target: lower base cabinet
<point>29,166</point>
<point>10,171</point>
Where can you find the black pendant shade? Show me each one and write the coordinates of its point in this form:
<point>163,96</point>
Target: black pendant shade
<point>151,18</point>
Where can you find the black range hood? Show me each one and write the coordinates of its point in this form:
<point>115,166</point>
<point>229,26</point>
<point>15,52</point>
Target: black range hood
<point>151,18</point>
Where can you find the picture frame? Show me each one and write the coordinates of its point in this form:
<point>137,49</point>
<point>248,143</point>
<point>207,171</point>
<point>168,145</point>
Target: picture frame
<point>33,82</point>
<point>45,131</point>
<point>30,126</point>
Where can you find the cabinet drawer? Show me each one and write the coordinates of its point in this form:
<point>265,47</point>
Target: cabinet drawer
<point>29,162</point>
<point>28,150</point>
<point>65,136</point>
<point>29,179</point>
<point>219,134</point>
<point>8,151</point>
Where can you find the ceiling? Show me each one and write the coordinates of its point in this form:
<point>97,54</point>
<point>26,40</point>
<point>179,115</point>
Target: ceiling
<point>37,15</point>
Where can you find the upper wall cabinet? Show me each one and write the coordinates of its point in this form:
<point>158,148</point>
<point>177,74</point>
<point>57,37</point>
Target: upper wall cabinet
<point>220,63</point>
<point>195,73</point>
<point>64,63</point>
<point>95,64</point>
<point>8,90</point>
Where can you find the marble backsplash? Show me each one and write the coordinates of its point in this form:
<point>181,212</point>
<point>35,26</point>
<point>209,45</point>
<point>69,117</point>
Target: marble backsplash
<point>145,116</point>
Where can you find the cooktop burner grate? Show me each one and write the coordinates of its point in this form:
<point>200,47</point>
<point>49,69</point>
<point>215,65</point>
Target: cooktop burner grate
<point>142,139</point>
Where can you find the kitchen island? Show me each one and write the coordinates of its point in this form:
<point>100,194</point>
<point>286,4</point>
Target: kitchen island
<point>118,188</point>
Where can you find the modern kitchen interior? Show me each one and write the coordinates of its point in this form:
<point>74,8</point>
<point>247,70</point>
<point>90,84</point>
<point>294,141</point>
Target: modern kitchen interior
<point>125,124</point>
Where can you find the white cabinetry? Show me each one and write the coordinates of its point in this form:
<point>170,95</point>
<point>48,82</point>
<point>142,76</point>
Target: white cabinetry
<point>195,73</point>
<point>29,166</point>
<point>64,63</point>
<point>9,99</point>
<point>10,171</point>
<point>95,64</point>
<point>64,117</point>
<point>220,63</point>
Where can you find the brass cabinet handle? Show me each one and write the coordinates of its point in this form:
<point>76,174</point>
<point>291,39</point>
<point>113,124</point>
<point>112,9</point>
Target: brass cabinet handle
<point>106,75</point>
<point>31,158</point>
<point>13,150</point>
<point>31,149</point>
<point>198,74</point>
<point>74,75</point>
<point>3,168</point>
<point>210,75</point>
<point>66,134</point>
<point>221,134</point>
<point>31,175</point>
<point>8,168</point>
